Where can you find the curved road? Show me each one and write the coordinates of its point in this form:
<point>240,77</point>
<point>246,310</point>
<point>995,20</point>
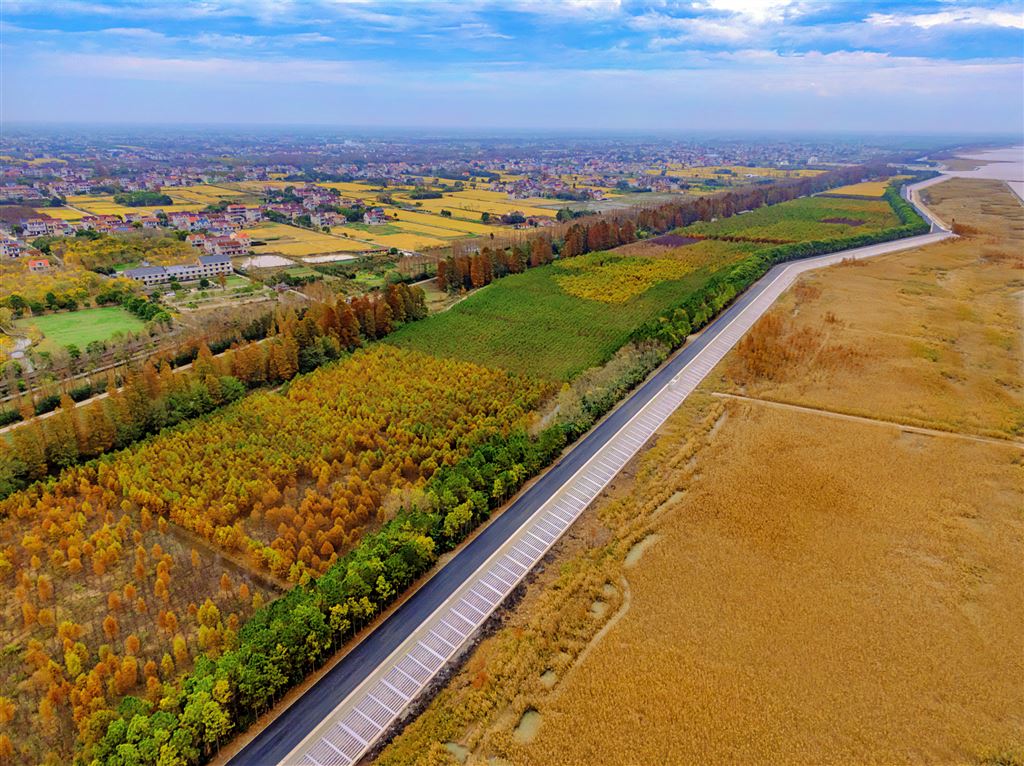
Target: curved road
<point>280,741</point>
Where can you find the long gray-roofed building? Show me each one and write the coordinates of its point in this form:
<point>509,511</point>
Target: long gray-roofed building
<point>207,266</point>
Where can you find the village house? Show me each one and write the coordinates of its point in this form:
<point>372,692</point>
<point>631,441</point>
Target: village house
<point>42,227</point>
<point>11,248</point>
<point>375,216</point>
<point>236,243</point>
<point>329,218</point>
<point>38,265</point>
<point>146,220</point>
<point>104,223</point>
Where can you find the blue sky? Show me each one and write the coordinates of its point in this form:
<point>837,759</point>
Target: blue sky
<point>943,66</point>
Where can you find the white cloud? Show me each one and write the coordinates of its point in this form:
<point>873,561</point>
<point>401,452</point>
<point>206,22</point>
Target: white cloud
<point>755,11</point>
<point>970,16</point>
<point>136,33</point>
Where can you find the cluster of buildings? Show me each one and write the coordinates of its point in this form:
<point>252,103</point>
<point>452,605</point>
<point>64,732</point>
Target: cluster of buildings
<point>231,219</point>
<point>228,245</point>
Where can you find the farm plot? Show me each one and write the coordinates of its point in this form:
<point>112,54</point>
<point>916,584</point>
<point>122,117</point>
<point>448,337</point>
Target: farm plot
<point>474,207</point>
<point>64,213</point>
<point>279,238</point>
<point>702,253</point>
<point>457,226</point>
<point>208,194</point>
<point>265,262</point>
<point>873,189</point>
<point>409,241</point>
<point>616,279</point>
<point>530,323</point>
<point>405,227</point>
<point>435,206</point>
<point>485,195</point>
<point>105,205</point>
<point>810,218</point>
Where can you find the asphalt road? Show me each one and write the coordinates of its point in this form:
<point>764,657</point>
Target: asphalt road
<point>280,737</point>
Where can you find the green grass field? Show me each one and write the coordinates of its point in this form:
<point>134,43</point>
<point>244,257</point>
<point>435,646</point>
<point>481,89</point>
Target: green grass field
<point>528,323</point>
<point>801,219</point>
<point>80,327</point>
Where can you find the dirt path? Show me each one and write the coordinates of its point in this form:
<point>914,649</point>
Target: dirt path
<point>873,421</point>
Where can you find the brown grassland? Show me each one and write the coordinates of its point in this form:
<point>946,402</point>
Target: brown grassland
<point>785,583</point>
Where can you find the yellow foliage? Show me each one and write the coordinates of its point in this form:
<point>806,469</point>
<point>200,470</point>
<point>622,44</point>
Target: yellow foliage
<point>618,280</point>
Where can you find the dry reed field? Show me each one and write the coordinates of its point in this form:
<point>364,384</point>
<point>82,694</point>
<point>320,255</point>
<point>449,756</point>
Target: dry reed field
<point>777,584</point>
<point>938,337</point>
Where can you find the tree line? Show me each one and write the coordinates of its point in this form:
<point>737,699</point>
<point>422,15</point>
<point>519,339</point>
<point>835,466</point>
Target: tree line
<point>476,263</point>
<point>155,397</point>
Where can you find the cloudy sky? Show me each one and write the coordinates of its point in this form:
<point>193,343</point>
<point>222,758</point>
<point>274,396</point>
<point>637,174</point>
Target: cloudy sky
<point>942,66</point>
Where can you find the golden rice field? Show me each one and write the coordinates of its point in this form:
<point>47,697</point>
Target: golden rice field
<point>459,214</point>
<point>64,213</point>
<point>472,208</point>
<point>408,241</point>
<point>105,205</point>
<point>205,194</point>
<point>463,227</point>
<point>470,201</point>
<point>291,240</point>
<point>485,195</point>
<point>430,231</point>
<point>356,189</point>
<point>789,584</point>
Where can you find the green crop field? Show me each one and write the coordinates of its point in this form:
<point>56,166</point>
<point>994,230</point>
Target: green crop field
<point>809,218</point>
<point>80,327</point>
<point>528,323</point>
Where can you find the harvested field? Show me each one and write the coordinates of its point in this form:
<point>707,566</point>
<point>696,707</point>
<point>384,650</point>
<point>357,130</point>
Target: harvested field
<point>873,189</point>
<point>852,599</point>
<point>672,240</point>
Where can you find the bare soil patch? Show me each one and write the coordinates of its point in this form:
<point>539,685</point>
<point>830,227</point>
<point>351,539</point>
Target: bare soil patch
<point>673,240</point>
